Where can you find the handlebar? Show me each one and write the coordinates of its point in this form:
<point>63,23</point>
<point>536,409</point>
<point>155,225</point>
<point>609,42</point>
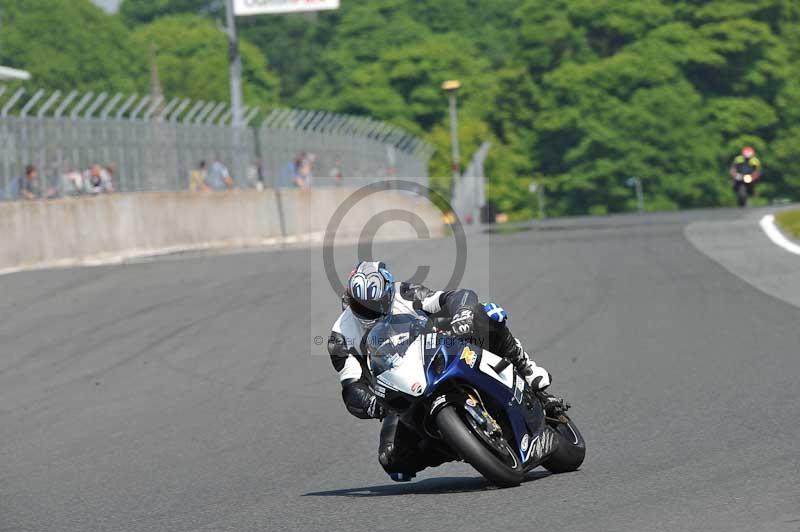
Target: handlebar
<point>440,324</point>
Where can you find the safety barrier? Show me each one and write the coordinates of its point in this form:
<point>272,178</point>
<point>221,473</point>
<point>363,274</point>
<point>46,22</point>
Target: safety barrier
<point>111,228</point>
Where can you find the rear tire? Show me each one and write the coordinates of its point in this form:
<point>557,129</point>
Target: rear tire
<point>570,448</point>
<point>470,448</point>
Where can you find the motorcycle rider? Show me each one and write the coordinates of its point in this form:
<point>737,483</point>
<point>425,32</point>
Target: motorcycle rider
<point>746,163</point>
<point>372,293</point>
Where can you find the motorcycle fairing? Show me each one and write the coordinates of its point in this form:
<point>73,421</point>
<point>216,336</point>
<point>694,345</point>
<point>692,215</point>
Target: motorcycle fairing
<point>505,387</point>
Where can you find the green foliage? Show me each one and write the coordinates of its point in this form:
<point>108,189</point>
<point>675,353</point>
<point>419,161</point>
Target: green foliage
<point>583,93</point>
<point>789,222</point>
<point>144,11</point>
<point>577,94</point>
<point>192,59</point>
<point>70,44</point>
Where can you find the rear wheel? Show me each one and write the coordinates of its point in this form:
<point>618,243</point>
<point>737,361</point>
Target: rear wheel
<point>570,449</point>
<point>473,450</point>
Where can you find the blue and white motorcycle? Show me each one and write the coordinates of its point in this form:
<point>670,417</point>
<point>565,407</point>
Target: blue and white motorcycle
<point>466,402</point>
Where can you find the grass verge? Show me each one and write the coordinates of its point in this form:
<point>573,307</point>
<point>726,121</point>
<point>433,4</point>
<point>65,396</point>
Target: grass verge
<point>789,221</point>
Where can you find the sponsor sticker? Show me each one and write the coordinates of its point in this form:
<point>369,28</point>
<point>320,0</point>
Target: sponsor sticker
<point>416,387</point>
<point>469,356</point>
<point>524,443</point>
<point>430,341</point>
<point>542,445</point>
<point>518,389</point>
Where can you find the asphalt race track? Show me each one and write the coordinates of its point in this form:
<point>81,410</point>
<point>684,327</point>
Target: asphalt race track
<point>187,394</point>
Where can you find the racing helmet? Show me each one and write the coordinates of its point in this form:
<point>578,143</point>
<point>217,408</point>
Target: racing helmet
<point>748,152</point>
<point>370,291</point>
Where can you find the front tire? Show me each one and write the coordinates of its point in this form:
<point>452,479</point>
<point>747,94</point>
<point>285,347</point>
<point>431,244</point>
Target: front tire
<point>469,447</point>
<point>570,447</point>
<point>742,195</point>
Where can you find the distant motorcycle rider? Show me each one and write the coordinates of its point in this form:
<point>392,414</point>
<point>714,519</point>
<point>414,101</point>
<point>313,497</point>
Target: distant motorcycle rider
<point>372,293</point>
<point>745,170</point>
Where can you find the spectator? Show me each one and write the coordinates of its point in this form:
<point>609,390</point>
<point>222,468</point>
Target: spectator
<point>288,175</point>
<point>198,178</point>
<point>304,177</point>
<point>108,176</point>
<point>97,180</point>
<point>72,182</point>
<point>336,173</point>
<point>255,176</point>
<point>26,186</point>
<point>218,176</point>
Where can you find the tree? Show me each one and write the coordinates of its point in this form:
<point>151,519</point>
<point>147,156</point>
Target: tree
<point>192,58</point>
<point>70,44</point>
<point>135,12</point>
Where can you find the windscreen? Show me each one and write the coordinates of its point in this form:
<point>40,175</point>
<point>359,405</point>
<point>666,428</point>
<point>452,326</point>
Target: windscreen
<point>389,339</point>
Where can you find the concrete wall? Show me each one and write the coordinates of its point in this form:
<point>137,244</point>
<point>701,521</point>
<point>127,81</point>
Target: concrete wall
<point>89,230</point>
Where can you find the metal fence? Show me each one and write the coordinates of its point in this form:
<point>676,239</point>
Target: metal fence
<point>469,191</point>
<point>153,144</point>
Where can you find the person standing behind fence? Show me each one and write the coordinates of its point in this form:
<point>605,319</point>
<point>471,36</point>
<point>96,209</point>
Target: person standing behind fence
<point>218,176</point>
<point>97,180</point>
<point>198,178</point>
<point>304,177</point>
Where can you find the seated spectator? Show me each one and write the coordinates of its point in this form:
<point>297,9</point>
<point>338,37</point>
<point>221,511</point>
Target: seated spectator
<point>198,178</point>
<point>97,180</point>
<point>218,177</point>
<point>26,186</point>
<point>109,177</point>
<point>72,182</point>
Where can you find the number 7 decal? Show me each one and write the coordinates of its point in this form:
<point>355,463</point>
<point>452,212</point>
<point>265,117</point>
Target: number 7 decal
<point>488,361</point>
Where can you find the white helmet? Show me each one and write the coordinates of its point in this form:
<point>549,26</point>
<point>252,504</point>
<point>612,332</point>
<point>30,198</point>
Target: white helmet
<point>370,291</point>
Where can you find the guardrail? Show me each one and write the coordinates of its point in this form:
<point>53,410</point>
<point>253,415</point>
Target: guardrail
<point>154,143</point>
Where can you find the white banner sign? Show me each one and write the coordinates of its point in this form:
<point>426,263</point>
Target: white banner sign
<point>260,7</point>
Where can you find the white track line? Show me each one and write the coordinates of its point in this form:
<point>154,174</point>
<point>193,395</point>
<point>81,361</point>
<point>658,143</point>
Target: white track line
<point>767,223</point>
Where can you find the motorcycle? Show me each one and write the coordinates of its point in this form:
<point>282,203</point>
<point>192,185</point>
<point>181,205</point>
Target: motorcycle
<point>743,188</point>
<point>467,403</point>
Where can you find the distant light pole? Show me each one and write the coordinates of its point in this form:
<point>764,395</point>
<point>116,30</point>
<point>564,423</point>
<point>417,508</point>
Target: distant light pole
<point>636,183</point>
<point>451,88</point>
<point>234,65</point>
<point>538,189</point>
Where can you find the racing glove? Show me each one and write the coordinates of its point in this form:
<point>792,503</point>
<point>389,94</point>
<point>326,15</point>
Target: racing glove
<point>537,377</point>
<point>462,323</point>
<point>361,401</point>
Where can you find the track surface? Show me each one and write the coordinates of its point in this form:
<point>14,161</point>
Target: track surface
<point>188,395</point>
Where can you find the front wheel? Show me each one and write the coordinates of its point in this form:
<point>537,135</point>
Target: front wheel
<point>741,195</point>
<point>570,447</point>
<point>455,432</point>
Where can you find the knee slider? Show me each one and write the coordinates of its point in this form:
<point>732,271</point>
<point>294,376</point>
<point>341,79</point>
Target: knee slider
<point>387,457</point>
